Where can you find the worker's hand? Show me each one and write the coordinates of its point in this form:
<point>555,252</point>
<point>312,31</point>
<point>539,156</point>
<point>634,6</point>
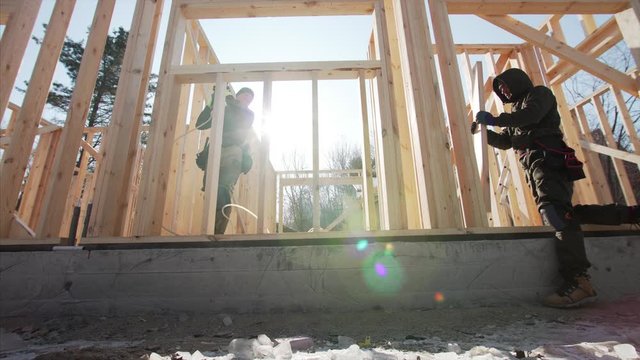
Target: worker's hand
<point>475,128</point>
<point>485,118</point>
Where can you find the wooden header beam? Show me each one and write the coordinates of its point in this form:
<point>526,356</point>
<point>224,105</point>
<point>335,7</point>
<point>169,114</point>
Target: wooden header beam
<point>206,73</point>
<point>220,9</point>
<point>504,7</point>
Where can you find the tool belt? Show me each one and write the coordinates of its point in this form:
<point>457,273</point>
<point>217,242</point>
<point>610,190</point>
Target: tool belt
<point>524,143</point>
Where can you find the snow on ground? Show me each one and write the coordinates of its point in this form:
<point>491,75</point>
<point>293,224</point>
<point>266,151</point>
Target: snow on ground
<point>601,331</point>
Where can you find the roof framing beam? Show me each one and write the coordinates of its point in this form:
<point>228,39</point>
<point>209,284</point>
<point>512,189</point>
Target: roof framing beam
<point>558,48</point>
<point>220,9</point>
<point>503,7</point>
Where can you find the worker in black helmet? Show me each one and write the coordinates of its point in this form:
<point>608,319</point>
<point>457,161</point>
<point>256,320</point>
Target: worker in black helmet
<point>532,129</point>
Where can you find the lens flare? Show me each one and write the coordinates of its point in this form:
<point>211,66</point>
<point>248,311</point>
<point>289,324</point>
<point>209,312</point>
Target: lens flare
<point>438,297</point>
<point>382,272</point>
<point>362,245</point>
<point>388,249</point>
<point>381,269</point>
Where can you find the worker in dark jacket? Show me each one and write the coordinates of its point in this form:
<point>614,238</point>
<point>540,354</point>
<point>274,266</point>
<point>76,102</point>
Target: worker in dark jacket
<point>532,129</point>
<point>234,157</point>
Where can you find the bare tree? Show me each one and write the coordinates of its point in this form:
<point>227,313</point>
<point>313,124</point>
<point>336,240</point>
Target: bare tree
<point>583,85</point>
<point>334,199</point>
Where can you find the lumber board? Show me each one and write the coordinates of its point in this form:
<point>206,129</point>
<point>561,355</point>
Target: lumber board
<point>65,159</point>
<point>412,201</point>
<point>120,148</point>
<point>207,9</point>
<point>473,206</point>
<point>629,25</point>
<point>390,171</point>
<point>263,157</point>
<point>594,45</point>
<point>13,45</point>
<point>432,154</point>
<point>614,153</point>
<point>214,159</point>
<point>16,156</point>
<point>618,165</point>
<point>627,121</point>
<point>502,7</point>
<point>325,70</point>
<point>560,49</point>
<point>371,214</point>
<point>592,160</point>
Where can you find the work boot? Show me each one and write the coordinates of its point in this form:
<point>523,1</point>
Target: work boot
<point>577,292</point>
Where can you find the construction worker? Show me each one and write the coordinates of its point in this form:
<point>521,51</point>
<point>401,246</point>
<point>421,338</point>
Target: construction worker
<point>235,157</point>
<point>532,129</point>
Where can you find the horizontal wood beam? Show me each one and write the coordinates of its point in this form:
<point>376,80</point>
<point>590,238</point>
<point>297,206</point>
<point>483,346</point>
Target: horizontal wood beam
<point>560,49</point>
<point>323,181</point>
<point>481,49</point>
<point>503,7</point>
<point>206,73</point>
<point>596,44</point>
<point>614,153</point>
<point>220,9</point>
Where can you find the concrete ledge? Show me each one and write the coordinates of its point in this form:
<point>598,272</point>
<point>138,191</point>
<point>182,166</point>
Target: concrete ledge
<point>347,277</point>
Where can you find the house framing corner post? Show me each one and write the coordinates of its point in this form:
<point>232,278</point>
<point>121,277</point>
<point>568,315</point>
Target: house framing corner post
<point>16,157</point>
<point>390,175</point>
<point>121,143</point>
<point>433,158</point>
<point>55,197</point>
<point>468,178</point>
<point>412,196</point>
<point>153,187</point>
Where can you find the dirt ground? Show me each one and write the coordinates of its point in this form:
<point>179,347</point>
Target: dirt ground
<point>521,330</point>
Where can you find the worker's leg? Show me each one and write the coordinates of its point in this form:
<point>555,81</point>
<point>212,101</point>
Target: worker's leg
<point>610,214</point>
<point>230,169</point>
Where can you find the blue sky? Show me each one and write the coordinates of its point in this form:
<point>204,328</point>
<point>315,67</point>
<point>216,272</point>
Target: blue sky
<point>288,39</point>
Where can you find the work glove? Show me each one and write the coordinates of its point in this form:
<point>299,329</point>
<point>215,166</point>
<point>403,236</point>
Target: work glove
<point>485,118</point>
<point>475,128</point>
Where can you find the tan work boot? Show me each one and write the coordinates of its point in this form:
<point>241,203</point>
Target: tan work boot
<point>573,294</point>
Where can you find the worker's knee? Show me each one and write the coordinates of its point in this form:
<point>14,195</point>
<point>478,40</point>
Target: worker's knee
<point>552,217</point>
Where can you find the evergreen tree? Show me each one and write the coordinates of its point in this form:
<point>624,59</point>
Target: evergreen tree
<point>104,93</point>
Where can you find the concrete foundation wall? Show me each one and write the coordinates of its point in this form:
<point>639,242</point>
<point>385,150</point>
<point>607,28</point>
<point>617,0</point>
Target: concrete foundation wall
<point>393,275</point>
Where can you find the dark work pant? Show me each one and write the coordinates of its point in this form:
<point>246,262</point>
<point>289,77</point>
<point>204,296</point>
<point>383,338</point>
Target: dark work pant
<point>610,214</point>
<point>552,193</point>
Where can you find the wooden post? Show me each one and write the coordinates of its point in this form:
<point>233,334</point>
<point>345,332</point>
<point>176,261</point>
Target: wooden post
<point>409,179</point>
<point>621,171</point>
<point>16,156</point>
<point>13,45</point>
<point>65,159</point>
<point>153,186</point>
<point>263,157</point>
<point>472,199</point>
<point>389,168</point>
<point>432,154</point>
<point>316,152</point>
<point>480,142</point>
<point>114,175</point>
<point>213,161</point>
<point>629,24</point>
<point>592,160</point>
<point>371,214</point>
<point>627,121</point>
